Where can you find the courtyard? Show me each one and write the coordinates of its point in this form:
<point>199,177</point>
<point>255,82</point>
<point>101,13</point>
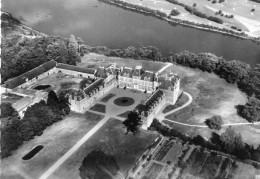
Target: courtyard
<point>62,136</point>
<point>57,81</point>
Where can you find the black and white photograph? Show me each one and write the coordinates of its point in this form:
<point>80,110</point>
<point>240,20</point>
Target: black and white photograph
<point>130,89</point>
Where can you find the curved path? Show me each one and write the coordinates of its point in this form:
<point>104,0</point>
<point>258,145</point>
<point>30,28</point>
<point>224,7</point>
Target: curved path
<point>161,117</point>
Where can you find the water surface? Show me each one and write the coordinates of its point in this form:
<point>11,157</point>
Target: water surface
<point>102,24</point>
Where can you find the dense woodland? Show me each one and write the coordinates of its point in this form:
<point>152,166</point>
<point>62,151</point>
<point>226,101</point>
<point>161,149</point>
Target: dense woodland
<point>37,117</point>
<point>23,49</point>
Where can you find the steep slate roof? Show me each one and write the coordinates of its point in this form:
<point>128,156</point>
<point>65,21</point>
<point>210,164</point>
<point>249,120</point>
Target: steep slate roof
<point>127,72</point>
<point>17,81</point>
<point>94,86</point>
<point>138,71</point>
<point>76,68</point>
<point>167,82</point>
<point>148,76</point>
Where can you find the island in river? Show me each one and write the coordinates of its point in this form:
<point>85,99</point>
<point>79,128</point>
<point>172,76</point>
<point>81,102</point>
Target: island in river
<point>237,17</point>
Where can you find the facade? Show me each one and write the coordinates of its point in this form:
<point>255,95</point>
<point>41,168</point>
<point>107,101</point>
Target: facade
<point>164,88</point>
<point>19,84</point>
<point>137,79</point>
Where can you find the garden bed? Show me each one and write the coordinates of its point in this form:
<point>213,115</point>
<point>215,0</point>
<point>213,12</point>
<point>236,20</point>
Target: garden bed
<point>107,98</point>
<point>99,108</point>
<point>124,101</point>
<point>93,117</point>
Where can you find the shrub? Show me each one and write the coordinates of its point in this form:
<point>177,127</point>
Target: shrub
<point>174,12</point>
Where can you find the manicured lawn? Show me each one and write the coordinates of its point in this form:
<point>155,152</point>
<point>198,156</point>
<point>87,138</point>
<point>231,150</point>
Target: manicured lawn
<point>112,139</point>
<point>124,101</point>
<point>99,108</point>
<point>57,139</point>
<point>124,115</point>
<point>93,117</point>
<point>107,98</point>
<point>181,101</point>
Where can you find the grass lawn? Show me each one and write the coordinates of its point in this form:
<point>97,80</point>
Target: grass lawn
<point>174,153</point>
<point>107,98</point>
<point>111,138</point>
<point>241,9</point>
<point>181,101</point>
<point>99,108</point>
<point>59,81</point>
<point>124,115</point>
<point>10,98</point>
<point>57,139</point>
<point>95,60</point>
<point>211,96</point>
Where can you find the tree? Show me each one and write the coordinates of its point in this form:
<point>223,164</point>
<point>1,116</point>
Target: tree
<point>214,122</point>
<point>74,56</point>
<point>133,122</point>
<point>98,165</point>
<point>53,99</point>
<point>10,136</point>
<point>7,110</point>
<point>64,103</point>
<point>174,12</point>
<point>231,141</point>
<point>251,110</point>
<point>83,83</point>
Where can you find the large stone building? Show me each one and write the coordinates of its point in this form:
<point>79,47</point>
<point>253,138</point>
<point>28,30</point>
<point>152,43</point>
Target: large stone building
<point>164,88</point>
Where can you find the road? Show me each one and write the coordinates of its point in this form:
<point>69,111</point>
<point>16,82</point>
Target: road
<point>161,117</point>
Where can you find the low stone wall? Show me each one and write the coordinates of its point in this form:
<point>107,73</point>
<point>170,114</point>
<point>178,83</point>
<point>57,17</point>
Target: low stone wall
<point>83,104</point>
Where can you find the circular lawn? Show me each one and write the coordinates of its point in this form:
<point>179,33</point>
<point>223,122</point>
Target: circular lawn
<point>124,101</point>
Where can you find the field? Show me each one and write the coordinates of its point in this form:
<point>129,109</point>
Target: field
<point>111,139</point>
<point>175,152</point>
<point>95,60</point>
<point>153,171</point>
<point>59,81</point>
<point>107,98</point>
<point>211,96</point>
<point>124,115</point>
<point>57,139</point>
<point>10,98</point>
<point>167,145</point>
<point>99,108</point>
<point>241,9</point>
<point>182,100</point>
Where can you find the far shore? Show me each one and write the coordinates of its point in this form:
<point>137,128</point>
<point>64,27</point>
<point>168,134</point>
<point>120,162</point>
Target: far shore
<point>170,20</point>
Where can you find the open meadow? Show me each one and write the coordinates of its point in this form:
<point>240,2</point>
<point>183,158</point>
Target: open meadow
<point>56,140</point>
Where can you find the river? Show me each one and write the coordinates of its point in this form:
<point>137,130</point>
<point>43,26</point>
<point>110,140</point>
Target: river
<point>102,24</point>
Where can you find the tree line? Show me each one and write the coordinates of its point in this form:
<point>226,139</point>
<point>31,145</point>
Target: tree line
<point>228,142</point>
<point>14,131</point>
<point>21,53</point>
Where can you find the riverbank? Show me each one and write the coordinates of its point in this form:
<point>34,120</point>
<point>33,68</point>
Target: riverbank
<point>190,20</point>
